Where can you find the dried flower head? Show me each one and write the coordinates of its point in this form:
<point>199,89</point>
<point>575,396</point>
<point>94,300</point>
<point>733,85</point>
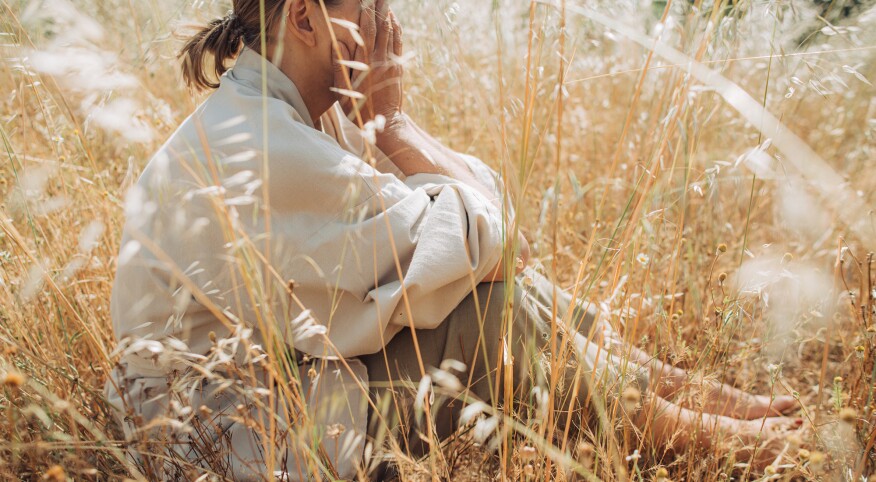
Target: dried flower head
<point>632,395</point>
<point>803,454</point>
<point>816,460</point>
<point>55,474</point>
<point>794,439</point>
<point>848,415</point>
<point>722,248</point>
<point>586,454</point>
<point>335,430</point>
<point>528,452</point>
<point>722,277</point>
<point>13,380</point>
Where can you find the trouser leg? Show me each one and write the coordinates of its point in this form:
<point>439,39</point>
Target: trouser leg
<point>394,373</point>
<point>476,335</point>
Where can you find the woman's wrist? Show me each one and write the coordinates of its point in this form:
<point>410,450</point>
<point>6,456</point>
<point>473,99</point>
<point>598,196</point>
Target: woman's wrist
<point>401,142</point>
<point>397,128</point>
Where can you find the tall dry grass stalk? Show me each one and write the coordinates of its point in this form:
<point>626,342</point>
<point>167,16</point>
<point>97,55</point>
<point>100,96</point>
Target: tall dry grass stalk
<point>690,168</point>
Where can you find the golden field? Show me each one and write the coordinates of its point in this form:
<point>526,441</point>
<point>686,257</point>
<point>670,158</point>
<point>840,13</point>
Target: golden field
<point>705,172</point>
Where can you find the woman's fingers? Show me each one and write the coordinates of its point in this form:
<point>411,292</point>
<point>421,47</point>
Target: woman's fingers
<point>397,44</point>
<point>383,41</point>
<point>395,57</point>
<point>368,29</point>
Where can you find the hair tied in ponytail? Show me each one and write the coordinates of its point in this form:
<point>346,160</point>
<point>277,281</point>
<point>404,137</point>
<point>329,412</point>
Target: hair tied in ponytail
<point>220,41</point>
<point>205,53</point>
<point>234,25</point>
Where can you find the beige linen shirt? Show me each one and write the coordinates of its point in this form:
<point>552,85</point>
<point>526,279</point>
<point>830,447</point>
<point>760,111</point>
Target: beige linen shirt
<point>247,195</point>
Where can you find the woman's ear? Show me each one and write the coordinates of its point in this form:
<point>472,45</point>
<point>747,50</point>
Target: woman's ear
<point>299,22</point>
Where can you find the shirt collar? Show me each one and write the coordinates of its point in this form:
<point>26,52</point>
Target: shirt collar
<point>248,69</point>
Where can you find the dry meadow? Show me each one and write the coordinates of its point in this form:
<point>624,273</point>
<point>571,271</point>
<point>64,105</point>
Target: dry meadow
<point>705,172</point>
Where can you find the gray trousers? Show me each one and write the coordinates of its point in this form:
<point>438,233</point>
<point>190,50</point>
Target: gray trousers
<point>475,334</point>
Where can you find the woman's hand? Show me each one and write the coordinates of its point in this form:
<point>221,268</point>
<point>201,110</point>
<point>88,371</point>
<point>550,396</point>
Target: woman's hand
<point>520,261</point>
<point>379,87</point>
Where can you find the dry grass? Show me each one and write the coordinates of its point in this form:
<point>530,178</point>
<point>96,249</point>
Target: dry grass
<point>627,185</point>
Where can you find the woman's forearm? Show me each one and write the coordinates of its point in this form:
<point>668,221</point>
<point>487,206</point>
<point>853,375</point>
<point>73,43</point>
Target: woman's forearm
<point>414,151</point>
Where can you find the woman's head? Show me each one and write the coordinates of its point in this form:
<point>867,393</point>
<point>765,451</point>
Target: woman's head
<point>297,29</point>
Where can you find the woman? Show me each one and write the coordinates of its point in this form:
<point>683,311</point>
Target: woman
<point>283,274</point>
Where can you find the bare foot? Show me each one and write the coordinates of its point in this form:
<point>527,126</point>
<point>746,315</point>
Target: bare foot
<point>710,396</point>
<point>755,442</point>
<point>732,402</point>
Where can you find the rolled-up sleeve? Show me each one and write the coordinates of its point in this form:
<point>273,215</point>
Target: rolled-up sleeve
<point>458,244</point>
<point>405,257</point>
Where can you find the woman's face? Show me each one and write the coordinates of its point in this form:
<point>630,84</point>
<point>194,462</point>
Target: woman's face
<point>315,39</point>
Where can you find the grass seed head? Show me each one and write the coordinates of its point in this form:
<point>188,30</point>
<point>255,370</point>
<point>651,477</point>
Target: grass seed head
<point>722,248</point>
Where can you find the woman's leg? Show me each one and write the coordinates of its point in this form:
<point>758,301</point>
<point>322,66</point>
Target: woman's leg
<point>474,334</point>
<point>668,381</point>
<point>711,396</point>
<point>756,441</point>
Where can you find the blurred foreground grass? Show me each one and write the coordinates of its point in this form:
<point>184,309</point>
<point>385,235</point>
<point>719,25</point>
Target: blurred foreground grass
<point>711,247</point>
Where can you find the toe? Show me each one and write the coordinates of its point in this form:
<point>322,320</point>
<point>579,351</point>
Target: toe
<point>784,405</point>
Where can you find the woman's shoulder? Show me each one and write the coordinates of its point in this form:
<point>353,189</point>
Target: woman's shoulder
<point>236,124</point>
